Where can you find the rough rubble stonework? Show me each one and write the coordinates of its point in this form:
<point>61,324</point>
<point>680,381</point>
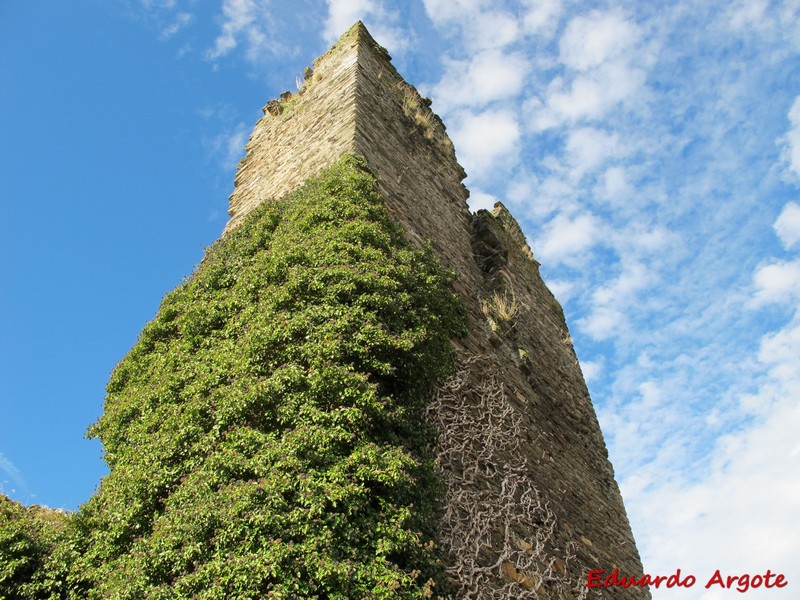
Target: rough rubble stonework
<point>531,499</point>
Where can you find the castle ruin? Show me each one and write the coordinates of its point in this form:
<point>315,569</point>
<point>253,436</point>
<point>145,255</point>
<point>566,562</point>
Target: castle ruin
<point>531,503</point>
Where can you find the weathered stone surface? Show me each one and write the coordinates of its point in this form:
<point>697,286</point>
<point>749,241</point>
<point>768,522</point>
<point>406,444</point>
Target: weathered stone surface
<point>532,503</point>
<point>300,134</point>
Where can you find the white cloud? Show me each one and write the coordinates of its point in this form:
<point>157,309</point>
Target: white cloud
<point>522,188</point>
<point>163,4</point>
<point>791,151</point>
<point>182,19</point>
<point>542,16</point>
<point>246,23</point>
<point>233,146</point>
<point>566,236</point>
<point>597,38</point>
<point>741,515</point>
<point>554,193</point>
<point>344,13</point>
<point>167,17</point>
<point>648,240</point>
<point>787,226</point>
<point>487,76</point>
<point>606,62</point>
<point>591,370</point>
<point>538,198</point>
<point>634,278</point>
<point>609,308</point>
<point>588,148</point>
<point>778,282</point>
<point>479,199</point>
<point>562,289</point>
<point>773,20</point>
<point>747,13</point>
<point>602,323</point>
<point>750,476</point>
<point>486,139</point>
<point>589,95</point>
<point>443,11</point>
<point>782,347</point>
<point>482,27</point>
<point>239,16</point>
<point>615,185</point>
<point>495,30</point>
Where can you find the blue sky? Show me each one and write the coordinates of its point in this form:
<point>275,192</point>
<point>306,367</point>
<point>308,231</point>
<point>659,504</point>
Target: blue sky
<point>651,152</point>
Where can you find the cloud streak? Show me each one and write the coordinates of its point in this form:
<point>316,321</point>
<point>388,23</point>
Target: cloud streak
<point>20,487</point>
<point>791,152</point>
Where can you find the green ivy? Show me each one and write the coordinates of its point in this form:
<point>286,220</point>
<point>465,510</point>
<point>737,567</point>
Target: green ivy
<point>265,435</point>
<point>34,551</point>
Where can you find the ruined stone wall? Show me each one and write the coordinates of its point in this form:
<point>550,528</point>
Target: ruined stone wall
<point>300,134</point>
<point>560,443</point>
<point>532,503</point>
<point>407,147</point>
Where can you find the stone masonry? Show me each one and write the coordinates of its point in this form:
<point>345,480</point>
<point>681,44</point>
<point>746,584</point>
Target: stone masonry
<point>531,499</point>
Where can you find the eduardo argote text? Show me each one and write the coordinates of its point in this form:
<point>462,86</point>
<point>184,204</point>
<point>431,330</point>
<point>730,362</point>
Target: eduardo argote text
<point>599,578</point>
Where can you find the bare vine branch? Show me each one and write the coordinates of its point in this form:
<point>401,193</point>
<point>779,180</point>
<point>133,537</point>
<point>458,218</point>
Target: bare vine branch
<point>496,528</point>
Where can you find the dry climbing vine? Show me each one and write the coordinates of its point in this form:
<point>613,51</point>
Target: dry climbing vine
<point>497,529</point>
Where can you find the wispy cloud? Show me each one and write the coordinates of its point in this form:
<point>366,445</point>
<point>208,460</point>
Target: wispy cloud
<point>777,20</point>
<point>609,303</point>
<point>481,25</point>
<point>589,148</point>
<point>487,76</point>
<point>791,141</point>
<point>227,147</point>
<point>167,17</point>
<point>182,19</point>
<point>605,65</point>
<point>751,470</point>
<point>596,38</point>
<point>158,4</point>
<point>19,487</point>
<point>542,17</point>
<point>245,24</point>
<point>238,19</point>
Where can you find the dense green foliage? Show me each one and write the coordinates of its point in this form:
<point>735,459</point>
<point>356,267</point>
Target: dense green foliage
<point>33,550</point>
<point>265,435</point>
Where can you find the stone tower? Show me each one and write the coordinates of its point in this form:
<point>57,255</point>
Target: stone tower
<point>531,502</point>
